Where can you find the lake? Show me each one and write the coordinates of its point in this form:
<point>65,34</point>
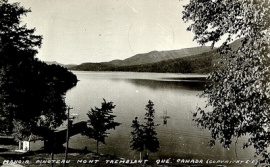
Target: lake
<point>174,94</point>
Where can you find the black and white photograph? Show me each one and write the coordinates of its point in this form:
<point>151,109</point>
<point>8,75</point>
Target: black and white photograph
<point>139,83</point>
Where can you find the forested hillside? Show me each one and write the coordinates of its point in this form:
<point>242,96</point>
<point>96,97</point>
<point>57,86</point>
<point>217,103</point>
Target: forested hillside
<point>201,63</point>
<point>187,63</point>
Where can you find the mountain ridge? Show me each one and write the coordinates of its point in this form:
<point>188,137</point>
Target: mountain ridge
<point>157,56</point>
<point>189,60</point>
<point>60,64</point>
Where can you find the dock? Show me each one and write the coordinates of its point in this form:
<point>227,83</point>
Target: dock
<point>58,137</point>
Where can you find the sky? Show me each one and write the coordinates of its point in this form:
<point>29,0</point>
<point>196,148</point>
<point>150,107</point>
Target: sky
<point>78,31</point>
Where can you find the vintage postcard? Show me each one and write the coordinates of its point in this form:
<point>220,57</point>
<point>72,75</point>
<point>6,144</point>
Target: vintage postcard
<point>140,75</point>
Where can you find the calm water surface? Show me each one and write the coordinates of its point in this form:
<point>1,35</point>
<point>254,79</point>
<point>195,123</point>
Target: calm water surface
<point>130,92</point>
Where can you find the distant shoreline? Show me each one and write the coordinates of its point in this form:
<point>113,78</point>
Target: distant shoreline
<point>167,77</point>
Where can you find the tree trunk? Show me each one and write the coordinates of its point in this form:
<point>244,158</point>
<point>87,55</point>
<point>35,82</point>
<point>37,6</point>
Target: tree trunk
<point>97,146</point>
<point>52,157</point>
<point>146,155</point>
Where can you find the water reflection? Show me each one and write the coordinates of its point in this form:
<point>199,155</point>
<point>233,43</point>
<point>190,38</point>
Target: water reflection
<point>153,84</point>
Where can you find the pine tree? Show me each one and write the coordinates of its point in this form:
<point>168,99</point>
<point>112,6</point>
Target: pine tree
<point>144,135</point>
<point>101,120</point>
<point>137,142</point>
<point>151,141</point>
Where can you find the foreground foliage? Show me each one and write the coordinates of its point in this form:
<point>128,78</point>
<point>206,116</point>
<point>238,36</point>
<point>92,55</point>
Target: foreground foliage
<point>239,96</point>
<point>31,92</point>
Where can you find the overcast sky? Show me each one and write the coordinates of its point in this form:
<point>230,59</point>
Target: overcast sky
<point>77,31</point>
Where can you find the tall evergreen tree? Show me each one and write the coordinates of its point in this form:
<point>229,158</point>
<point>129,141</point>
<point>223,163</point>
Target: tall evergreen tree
<point>100,121</point>
<point>137,142</point>
<point>151,141</point>
<point>144,135</point>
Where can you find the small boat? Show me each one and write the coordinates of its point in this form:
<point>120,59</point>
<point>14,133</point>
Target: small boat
<point>165,117</point>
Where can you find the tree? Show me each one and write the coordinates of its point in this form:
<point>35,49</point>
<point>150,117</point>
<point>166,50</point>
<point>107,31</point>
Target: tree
<point>239,95</point>
<point>31,92</point>
<point>100,120</point>
<point>137,142</point>
<point>151,141</point>
<point>144,136</point>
